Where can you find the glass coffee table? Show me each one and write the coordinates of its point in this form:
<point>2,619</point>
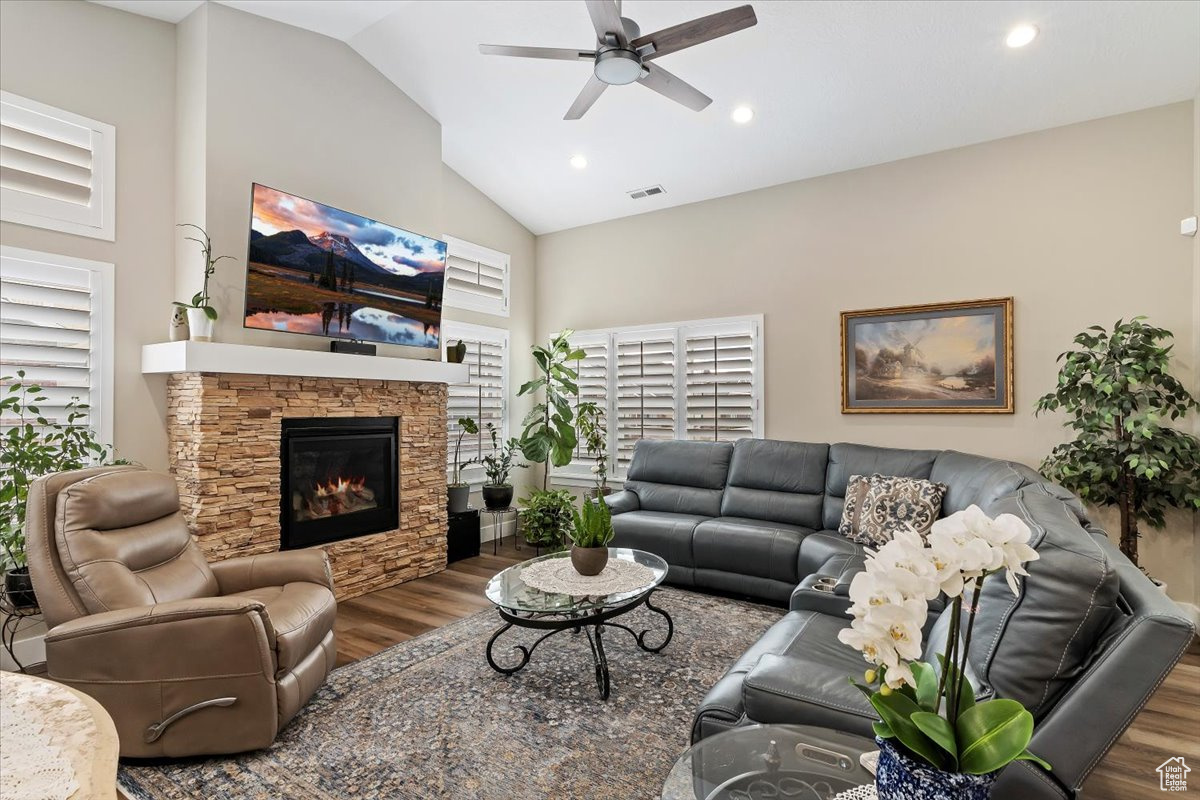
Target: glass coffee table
<point>523,606</point>
<point>780,762</point>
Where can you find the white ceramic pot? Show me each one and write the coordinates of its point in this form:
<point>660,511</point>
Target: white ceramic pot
<point>200,325</point>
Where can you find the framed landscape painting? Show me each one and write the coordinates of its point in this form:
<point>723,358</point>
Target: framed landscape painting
<point>941,358</point>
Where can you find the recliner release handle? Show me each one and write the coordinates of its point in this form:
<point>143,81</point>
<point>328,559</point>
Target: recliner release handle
<point>158,729</point>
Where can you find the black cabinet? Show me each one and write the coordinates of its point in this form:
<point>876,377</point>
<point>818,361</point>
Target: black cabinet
<point>462,538</point>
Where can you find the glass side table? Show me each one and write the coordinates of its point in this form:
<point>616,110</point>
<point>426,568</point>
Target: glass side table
<point>498,515</point>
<point>782,762</point>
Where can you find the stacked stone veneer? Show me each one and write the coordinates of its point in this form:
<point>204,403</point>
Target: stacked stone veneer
<point>224,432</point>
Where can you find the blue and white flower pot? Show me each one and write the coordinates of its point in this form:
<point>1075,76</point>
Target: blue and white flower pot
<point>902,777</point>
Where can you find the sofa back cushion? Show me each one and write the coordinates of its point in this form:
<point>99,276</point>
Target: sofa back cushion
<point>1032,646</point>
<point>975,480</point>
<point>858,459</point>
<point>776,481</point>
<point>123,542</point>
<point>679,477</point>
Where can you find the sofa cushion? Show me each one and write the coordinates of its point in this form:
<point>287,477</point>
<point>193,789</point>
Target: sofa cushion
<point>679,477</point>
<point>667,535</point>
<point>857,459</point>
<point>877,506</point>
<point>806,682</point>
<point>975,480</point>
<point>302,614</point>
<point>1031,647</point>
<point>749,547</point>
<point>776,481</point>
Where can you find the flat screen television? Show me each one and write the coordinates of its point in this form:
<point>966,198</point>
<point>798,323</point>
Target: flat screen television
<point>315,269</point>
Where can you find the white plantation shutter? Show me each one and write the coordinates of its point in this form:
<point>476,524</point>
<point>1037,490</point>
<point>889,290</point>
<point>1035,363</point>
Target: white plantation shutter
<point>721,397</point>
<point>483,397</point>
<point>593,388</point>
<point>56,326</point>
<point>57,169</point>
<point>645,390</point>
<point>476,277</point>
<point>698,380</point>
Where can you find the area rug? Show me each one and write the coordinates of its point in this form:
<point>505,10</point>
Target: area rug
<point>429,719</point>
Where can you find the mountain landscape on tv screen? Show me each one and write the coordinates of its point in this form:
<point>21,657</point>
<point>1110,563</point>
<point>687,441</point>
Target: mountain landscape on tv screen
<point>315,269</point>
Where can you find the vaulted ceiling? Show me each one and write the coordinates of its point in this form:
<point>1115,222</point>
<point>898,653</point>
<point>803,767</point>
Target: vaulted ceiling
<point>833,85</point>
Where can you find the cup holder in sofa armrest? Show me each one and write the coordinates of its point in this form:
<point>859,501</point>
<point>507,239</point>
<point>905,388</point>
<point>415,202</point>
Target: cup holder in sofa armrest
<point>820,593</point>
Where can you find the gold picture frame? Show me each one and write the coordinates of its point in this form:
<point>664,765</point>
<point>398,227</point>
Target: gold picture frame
<point>970,370</point>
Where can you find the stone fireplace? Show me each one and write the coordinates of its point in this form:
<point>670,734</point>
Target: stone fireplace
<point>227,449</point>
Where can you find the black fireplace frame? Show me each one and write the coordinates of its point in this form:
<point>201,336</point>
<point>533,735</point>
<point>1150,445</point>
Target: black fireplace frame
<point>295,535</point>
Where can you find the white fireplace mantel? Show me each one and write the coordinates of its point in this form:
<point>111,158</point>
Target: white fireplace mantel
<point>244,359</point>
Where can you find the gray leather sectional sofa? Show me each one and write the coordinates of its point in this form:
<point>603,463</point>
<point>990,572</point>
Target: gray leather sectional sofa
<point>1083,647</point>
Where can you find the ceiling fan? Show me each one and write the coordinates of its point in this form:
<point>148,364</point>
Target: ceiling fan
<point>623,55</point>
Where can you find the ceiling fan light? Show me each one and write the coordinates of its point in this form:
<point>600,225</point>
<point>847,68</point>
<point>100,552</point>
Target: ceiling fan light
<point>742,114</point>
<point>1021,36</point>
<point>578,161</point>
<point>618,67</point>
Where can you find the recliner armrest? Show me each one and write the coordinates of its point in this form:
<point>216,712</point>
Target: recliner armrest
<point>192,638</point>
<point>807,597</point>
<point>620,502</point>
<point>273,569</point>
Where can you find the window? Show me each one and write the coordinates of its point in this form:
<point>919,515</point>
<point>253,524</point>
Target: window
<point>476,278</point>
<point>57,169</point>
<point>484,397</point>
<point>698,380</point>
<point>56,325</point>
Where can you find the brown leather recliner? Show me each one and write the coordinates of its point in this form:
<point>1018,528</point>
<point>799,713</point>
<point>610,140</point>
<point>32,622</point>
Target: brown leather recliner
<point>188,657</point>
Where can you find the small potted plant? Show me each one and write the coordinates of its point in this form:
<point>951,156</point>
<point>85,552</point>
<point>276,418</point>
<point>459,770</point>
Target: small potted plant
<point>498,492</point>
<point>459,491</point>
<point>935,739</point>
<point>546,517</point>
<point>200,313</point>
<point>33,447</point>
<point>590,534</point>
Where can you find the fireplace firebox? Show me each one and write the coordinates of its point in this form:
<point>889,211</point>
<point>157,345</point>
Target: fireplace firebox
<point>340,479</point>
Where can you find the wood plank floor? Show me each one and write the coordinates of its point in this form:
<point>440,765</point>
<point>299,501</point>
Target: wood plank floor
<point>1168,726</point>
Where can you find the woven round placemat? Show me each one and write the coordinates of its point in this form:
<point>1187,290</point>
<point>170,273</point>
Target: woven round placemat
<point>558,576</point>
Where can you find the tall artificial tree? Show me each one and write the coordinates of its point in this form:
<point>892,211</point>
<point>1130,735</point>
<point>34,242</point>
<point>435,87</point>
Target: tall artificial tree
<point>1122,403</point>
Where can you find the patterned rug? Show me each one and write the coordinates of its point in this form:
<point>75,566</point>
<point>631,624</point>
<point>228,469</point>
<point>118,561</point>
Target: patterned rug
<point>429,719</point>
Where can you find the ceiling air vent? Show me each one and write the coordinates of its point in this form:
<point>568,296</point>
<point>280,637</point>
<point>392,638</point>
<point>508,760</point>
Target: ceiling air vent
<point>649,191</point>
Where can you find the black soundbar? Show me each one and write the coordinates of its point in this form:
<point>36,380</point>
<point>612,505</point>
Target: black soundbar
<point>352,347</point>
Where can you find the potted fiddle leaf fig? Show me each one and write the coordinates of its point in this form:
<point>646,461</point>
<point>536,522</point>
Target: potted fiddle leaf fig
<point>590,535</point>
<point>200,312</point>
<point>36,445</point>
<point>935,739</point>
<point>459,491</point>
<point>498,465</point>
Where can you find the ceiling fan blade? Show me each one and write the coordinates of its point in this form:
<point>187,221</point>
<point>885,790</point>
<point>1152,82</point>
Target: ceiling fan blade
<point>607,20</point>
<point>674,88</point>
<point>560,53</point>
<point>698,31</point>
<point>590,94</point>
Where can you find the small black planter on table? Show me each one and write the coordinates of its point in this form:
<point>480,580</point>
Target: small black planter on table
<point>526,607</point>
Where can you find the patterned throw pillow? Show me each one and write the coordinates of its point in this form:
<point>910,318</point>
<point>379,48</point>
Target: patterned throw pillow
<point>888,504</point>
<point>856,491</point>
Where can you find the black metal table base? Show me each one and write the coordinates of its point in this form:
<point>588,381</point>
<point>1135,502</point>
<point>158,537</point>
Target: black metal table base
<point>592,623</point>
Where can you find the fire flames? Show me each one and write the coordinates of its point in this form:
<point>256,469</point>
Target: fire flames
<point>339,486</point>
<point>333,496</point>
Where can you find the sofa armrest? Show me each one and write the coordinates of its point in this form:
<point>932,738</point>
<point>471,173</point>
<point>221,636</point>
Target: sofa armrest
<point>179,640</point>
<point>817,593</point>
<point>620,502</point>
<point>273,569</point>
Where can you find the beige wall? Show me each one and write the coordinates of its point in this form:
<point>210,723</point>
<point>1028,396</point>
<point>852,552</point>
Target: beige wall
<point>120,69</point>
<point>1079,224</point>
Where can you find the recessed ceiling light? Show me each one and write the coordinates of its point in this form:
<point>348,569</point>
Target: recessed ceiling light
<point>1021,35</point>
<point>578,162</point>
<point>742,114</point>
